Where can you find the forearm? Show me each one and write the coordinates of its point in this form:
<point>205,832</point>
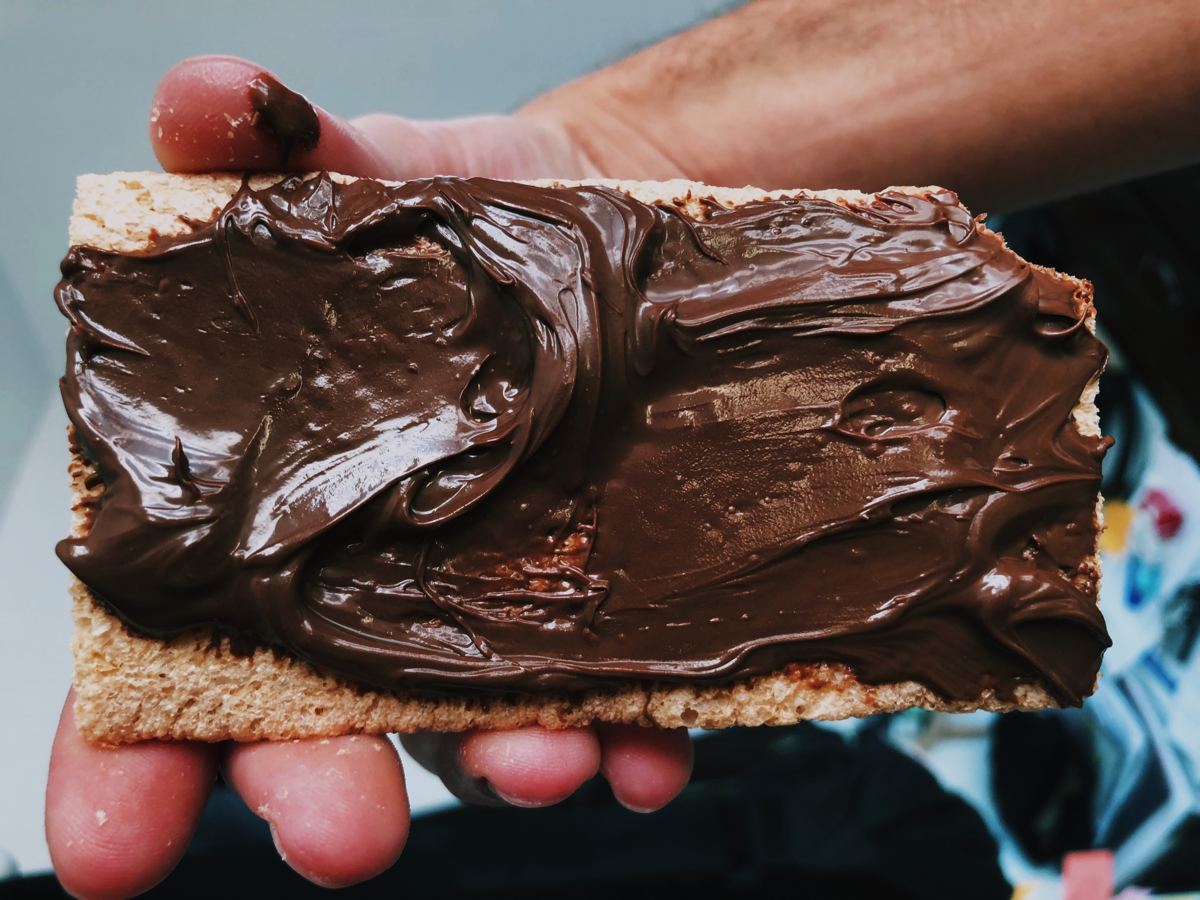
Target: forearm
<point>1009,103</point>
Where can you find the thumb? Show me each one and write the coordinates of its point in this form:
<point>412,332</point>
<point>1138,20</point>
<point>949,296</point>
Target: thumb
<point>204,118</point>
<point>492,146</point>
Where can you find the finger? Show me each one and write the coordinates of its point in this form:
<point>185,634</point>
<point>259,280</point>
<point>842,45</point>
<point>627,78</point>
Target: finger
<point>492,146</point>
<point>526,767</point>
<point>646,767</point>
<point>119,819</point>
<point>203,119</point>
<point>337,807</point>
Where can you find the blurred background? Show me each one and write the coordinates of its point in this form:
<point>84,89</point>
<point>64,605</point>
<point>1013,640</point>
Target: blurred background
<point>910,805</point>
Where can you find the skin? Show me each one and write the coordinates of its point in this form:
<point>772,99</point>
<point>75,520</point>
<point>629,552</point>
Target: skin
<point>1008,103</point>
<point>997,105</point>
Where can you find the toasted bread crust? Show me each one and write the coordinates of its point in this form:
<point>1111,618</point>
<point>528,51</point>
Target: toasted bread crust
<point>130,687</point>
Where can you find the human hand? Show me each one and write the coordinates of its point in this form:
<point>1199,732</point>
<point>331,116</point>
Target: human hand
<point>119,819</point>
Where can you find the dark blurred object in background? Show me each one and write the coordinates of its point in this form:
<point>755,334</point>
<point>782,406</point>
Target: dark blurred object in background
<point>1130,760</point>
<point>1043,780</point>
<point>771,812</point>
<point>1139,243</point>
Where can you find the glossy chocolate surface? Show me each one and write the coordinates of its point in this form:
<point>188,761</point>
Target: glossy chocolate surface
<point>475,434</point>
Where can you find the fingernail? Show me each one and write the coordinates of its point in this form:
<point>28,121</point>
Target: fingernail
<point>275,841</point>
<point>640,810</point>
<point>318,880</point>
<point>518,802</point>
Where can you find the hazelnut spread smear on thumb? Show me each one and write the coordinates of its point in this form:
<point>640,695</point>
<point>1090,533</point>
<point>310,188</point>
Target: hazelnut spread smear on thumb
<point>458,435</point>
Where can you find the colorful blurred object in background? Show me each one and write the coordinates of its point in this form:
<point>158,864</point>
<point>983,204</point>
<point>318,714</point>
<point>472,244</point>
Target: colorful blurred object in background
<point>1123,773</point>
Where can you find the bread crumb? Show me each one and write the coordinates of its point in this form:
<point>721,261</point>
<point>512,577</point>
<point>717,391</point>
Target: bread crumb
<point>101,817</point>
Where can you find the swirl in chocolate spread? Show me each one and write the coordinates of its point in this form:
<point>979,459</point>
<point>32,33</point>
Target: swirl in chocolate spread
<point>284,115</point>
<point>466,433</point>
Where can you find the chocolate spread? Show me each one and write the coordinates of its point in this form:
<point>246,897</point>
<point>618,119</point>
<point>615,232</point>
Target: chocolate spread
<point>285,116</point>
<point>475,434</point>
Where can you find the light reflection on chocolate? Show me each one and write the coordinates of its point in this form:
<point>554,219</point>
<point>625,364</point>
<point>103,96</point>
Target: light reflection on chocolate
<point>475,434</point>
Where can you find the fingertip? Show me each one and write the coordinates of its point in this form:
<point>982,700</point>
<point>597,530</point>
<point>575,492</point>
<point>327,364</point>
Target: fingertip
<point>646,767</point>
<point>119,819</point>
<point>337,807</point>
<point>203,119</point>
<point>531,766</point>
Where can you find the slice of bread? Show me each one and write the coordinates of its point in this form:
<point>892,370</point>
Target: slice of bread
<point>130,687</point>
